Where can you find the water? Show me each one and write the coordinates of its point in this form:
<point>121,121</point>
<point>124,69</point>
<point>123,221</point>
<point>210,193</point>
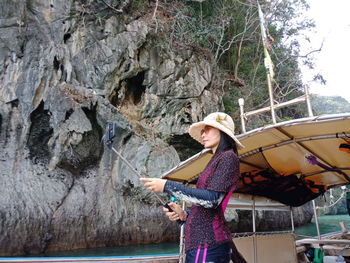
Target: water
<point>327,224</point>
<point>151,249</point>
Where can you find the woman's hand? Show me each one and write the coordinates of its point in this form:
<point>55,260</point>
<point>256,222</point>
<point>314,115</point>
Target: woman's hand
<point>154,184</point>
<point>178,212</point>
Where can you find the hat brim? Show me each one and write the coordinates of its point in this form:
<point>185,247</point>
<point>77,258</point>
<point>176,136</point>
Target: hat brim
<point>196,128</point>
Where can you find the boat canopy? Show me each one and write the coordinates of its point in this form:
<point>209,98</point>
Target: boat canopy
<point>291,162</point>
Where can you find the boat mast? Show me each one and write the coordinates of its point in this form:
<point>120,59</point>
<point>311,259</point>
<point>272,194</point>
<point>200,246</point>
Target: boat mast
<point>270,75</point>
<point>268,63</point>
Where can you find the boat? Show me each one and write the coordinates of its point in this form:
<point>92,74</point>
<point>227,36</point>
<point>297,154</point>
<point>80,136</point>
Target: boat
<point>288,164</point>
<point>284,165</point>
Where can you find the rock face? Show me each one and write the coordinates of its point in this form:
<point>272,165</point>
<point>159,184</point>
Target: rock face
<point>67,68</point>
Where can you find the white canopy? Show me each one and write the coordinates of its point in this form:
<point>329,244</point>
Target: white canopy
<point>284,149</point>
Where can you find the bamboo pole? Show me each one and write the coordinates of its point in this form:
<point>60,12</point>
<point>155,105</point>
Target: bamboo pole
<point>267,62</point>
<point>276,106</point>
<point>269,84</point>
<point>241,108</point>
<point>307,99</point>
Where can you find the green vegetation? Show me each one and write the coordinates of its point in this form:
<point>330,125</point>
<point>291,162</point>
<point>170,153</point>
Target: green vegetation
<point>138,4</point>
<point>329,105</point>
<point>229,31</point>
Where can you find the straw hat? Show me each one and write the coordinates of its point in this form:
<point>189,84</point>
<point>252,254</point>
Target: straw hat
<point>219,120</point>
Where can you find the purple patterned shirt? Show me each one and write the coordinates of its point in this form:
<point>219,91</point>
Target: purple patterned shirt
<point>207,225</point>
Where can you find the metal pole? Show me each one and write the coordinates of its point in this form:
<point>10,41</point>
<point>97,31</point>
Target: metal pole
<point>316,219</point>
<point>254,226</point>
<point>308,103</point>
<point>292,219</point>
<point>254,233</point>
<point>136,172</point>
<point>241,105</point>
<point>182,236</point>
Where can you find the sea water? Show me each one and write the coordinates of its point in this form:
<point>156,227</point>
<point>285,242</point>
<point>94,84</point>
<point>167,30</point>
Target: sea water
<point>135,250</point>
<point>327,224</point>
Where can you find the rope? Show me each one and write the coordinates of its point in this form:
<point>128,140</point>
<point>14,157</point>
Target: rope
<point>346,138</point>
<point>333,204</point>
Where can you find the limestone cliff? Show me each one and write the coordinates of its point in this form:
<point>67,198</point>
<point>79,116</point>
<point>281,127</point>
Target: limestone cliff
<point>67,68</point>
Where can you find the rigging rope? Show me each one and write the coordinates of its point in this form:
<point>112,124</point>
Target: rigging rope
<point>333,204</point>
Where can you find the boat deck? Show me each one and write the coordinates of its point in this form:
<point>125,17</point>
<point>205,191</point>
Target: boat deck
<point>140,259</point>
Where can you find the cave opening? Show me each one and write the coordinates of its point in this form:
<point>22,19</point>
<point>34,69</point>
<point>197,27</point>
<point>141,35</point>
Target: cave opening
<point>39,134</point>
<point>185,145</point>
<point>88,152</point>
<point>56,63</point>
<point>66,37</point>
<point>134,88</point>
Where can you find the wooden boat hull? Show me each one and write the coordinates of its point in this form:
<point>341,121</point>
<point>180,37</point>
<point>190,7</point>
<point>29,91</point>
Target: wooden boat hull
<point>332,244</point>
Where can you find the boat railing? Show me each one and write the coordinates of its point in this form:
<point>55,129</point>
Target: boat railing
<point>261,233</point>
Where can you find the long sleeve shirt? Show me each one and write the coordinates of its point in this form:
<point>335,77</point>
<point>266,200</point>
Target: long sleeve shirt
<point>205,224</point>
<point>194,196</point>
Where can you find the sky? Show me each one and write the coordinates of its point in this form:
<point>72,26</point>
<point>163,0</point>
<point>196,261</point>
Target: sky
<point>332,19</point>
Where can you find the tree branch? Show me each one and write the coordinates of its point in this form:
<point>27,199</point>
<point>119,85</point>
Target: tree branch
<point>154,17</point>
<point>111,7</point>
<point>312,51</point>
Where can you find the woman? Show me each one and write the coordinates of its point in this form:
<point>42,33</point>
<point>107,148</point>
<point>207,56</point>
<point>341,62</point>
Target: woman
<point>207,238</point>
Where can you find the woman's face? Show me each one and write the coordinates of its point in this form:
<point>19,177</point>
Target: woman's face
<point>210,137</point>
